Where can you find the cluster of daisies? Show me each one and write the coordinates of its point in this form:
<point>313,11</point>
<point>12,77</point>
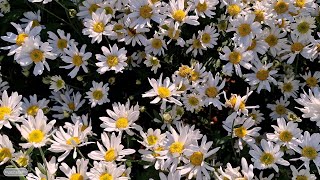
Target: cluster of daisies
<point>268,45</point>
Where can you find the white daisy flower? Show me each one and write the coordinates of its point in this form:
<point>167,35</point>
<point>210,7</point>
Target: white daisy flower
<point>112,149</point>
<point>209,36</point>
<point>233,173</point>
<point>192,102</point>
<point>173,31</point>
<point>134,36</point>
<point>238,103</point>
<point>152,138</point>
<point>36,130</point>
<point>106,171</point>
<point>312,81</point>
<point>289,87</point>
<point>204,8</point>
<point>33,17</point>
<point>88,7</point>
<point>170,116</point>
<point>153,62</point>
<point>10,109</point>
<point>156,45</point>
<point>279,109</point>
<point>267,157</point>
<point>76,59</point>
<point>84,123</point>
<point>98,94</point>
<point>302,174</point>
<point>195,46</point>
<point>122,118</point>
<point>32,107</point>
<point>155,156</point>
<point>113,58</point>
<point>6,149</point>
<point>303,27</point>
<point>78,172</point>
<point>44,173</point>
<point>198,74</point>
<point>257,116</point>
<point>236,58</point>
<point>274,39</point>
<point>57,83</point>
<point>109,7</point>
<point>295,47</point>
<point>282,9</point>
<point>97,26</point>
<point>171,176</point>
<point>59,42</point>
<point>164,91</point>
<point>22,158</point>
<point>179,14</point>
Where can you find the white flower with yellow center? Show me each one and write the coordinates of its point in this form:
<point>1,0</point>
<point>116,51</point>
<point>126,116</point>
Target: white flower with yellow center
<point>36,131</point>
<point>289,87</point>
<point>21,158</point>
<point>6,149</point>
<point>134,36</point>
<point>192,102</point>
<point>204,8</point>
<point>10,109</point>
<point>313,50</point>
<point>75,173</point>
<point>309,149</point>
<point>268,157</point>
<point>113,58</point>
<point>59,42</point>
<point>238,103</point>
<point>164,91</point>
<point>294,47</point>
<point>155,156</point>
<point>170,116</point>
<point>285,133</point>
<point>303,27</point>
<point>156,45</point>
<point>57,83</point>
<point>196,165</point>
<point>122,118</point>
<point>88,7</point>
<point>274,39</point>
<point>45,173</point>
<point>35,51</point>
<point>142,12</point>
<point>112,150</point>
<point>302,174</point>
<point>84,122</point>
<point>97,26</point>
<point>198,74</point>
<point>66,141</point>
<point>30,108</point>
<point>33,17</point>
<point>312,79</point>
<point>242,129</point>
<point>233,173</point>
<point>152,138</point>
<point>76,59</point>
<point>98,94</point>
<point>233,7</point>
<point>173,31</point>
<point>279,109</point>
<point>282,9</point>
<point>257,116</point>
<point>195,46</point>
<point>107,171</point>
<point>211,91</point>
<point>236,58</point>
<point>179,14</point>
<point>245,29</point>
<point>109,7</point>
<point>262,76</point>
<point>260,10</point>
<point>209,36</point>
<point>19,39</point>
<point>153,62</point>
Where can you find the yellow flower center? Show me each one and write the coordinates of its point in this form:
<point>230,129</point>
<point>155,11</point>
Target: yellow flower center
<point>281,7</point>
<point>287,87</point>
<point>106,176</point>
<point>152,140</point>
<point>108,10</point>
<point>303,27</point>
<point>21,38</point>
<point>146,11</point>
<point>253,116</point>
<point>97,95</point>
<point>60,83</point>
<point>240,131</point>
<point>36,55</point>
<point>154,1</point>
<point>296,47</point>
<point>62,43</point>
<point>253,45</point>
<point>233,101</point>
<point>302,177</point>
<point>117,28</point>
<point>234,9</point>
<point>211,92</point>
<point>98,27</point>
<point>132,32</point>
<point>176,147</point>
<point>285,136</point>
<point>122,123</point>
<point>77,60</point>
<point>36,136</point>
<point>300,3</point>
<point>32,110</point>
<point>173,36</point>
<point>267,158</point>
<point>22,161</point>
<point>281,110</point>
<point>112,61</point>
<point>179,15</point>
<point>93,8</point>
<point>205,38</point>
<point>184,71</point>
<point>110,155</point>
<point>156,43</point>
<point>76,176</point>
<point>35,23</point>
<point>154,154</point>
<point>164,92</point>
<point>73,140</point>
<point>235,57</point>
<point>311,82</point>
<point>4,111</point>
<point>5,153</point>
<point>83,127</point>
<point>196,158</point>
<point>72,106</point>
<point>202,7</point>
<point>272,40</point>
<point>309,152</point>
<point>262,74</point>
<point>193,101</point>
<point>244,30</point>
<point>259,15</point>
<point>154,61</point>
<point>196,44</point>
